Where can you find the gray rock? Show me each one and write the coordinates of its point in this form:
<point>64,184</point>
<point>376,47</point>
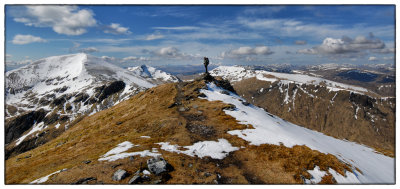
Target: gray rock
<point>86,162</point>
<point>135,179</point>
<point>225,92</point>
<point>245,103</point>
<point>195,106</point>
<point>119,175</point>
<point>157,182</point>
<point>182,109</point>
<point>207,174</point>
<point>85,180</point>
<point>157,165</point>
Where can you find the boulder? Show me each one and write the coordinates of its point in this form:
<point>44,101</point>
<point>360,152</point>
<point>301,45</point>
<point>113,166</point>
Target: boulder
<point>119,175</point>
<point>157,165</point>
<point>85,180</point>
<point>135,179</point>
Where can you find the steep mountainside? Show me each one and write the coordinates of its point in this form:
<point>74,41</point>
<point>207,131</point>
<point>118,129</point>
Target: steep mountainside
<point>340,110</point>
<point>204,133</point>
<point>45,98</point>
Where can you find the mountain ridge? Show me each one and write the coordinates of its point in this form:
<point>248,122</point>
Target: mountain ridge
<point>182,122</point>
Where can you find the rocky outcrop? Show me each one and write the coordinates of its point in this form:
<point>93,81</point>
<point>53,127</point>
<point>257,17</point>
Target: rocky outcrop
<point>119,175</point>
<point>106,90</point>
<point>157,165</point>
<point>15,127</point>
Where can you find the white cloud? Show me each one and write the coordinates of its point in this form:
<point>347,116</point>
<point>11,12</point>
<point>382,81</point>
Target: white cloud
<point>245,51</point>
<point>177,28</point>
<point>134,59</point>
<point>26,39</point>
<point>89,50</point>
<point>372,58</point>
<point>154,37</point>
<point>173,53</point>
<point>116,29</point>
<point>345,45</point>
<point>109,59</point>
<point>8,56</point>
<point>68,20</point>
<point>296,28</point>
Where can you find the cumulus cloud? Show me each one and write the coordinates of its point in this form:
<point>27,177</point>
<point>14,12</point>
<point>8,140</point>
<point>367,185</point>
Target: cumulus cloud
<point>26,39</point>
<point>116,29</point>
<point>109,59</point>
<point>246,51</point>
<point>89,50</point>
<point>372,58</point>
<point>300,42</point>
<point>346,45</point>
<point>68,20</point>
<point>154,37</point>
<point>134,59</point>
<point>172,53</point>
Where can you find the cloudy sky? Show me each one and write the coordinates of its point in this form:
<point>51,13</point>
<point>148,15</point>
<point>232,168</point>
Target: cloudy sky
<point>160,35</point>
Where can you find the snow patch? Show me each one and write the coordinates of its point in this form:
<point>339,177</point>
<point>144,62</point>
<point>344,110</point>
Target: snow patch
<point>45,178</point>
<point>215,150</point>
<point>35,128</point>
<point>119,152</point>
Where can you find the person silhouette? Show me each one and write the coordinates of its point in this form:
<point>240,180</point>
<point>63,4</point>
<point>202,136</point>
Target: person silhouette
<point>206,63</point>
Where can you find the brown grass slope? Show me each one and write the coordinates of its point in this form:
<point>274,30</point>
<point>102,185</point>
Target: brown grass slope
<point>158,113</point>
<point>333,117</point>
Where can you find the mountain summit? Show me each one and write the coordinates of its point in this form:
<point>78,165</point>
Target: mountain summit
<point>45,98</point>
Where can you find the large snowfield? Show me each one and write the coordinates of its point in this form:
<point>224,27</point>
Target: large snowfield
<point>269,129</point>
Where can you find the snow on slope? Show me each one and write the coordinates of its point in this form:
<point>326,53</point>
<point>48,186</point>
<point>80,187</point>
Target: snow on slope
<point>77,72</point>
<point>216,150</point>
<point>152,73</point>
<point>269,129</point>
<point>237,73</point>
<point>66,76</point>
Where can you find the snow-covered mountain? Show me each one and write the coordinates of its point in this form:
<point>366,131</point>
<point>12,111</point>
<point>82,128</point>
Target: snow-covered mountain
<point>238,73</point>
<point>341,110</point>
<point>152,74</point>
<point>55,92</point>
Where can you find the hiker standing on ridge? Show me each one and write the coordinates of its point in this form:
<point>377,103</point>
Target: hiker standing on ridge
<point>206,63</point>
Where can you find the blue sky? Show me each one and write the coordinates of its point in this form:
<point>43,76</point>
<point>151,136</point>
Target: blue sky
<point>228,35</point>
